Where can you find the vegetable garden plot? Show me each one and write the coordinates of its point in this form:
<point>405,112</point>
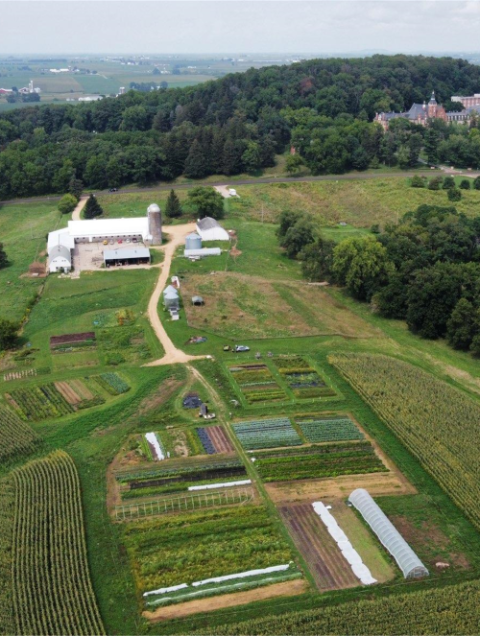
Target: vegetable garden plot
<point>314,462</point>
<point>40,402</point>
<point>266,433</point>
<point>334,429</point>
<point>72,341</point>
<point>257,383</point>
<point>183,549</point>
<point>112,383</point>
<point>53,400</point>
<point>214,440</point>
<point>324,560</point>
<point>301,378</point>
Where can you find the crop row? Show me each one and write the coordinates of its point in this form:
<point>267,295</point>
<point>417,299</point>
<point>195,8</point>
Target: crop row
<point>40,402</point>
<point>330,430</point>
<point>16,437</point>
<point>266,434</point>
<point>437,423</point>
<point>49,551</point>
<point>316,462</point>
<point>7,499</point>
<point>172,469</point>
<point>111,383</point>
<point>184,548</point>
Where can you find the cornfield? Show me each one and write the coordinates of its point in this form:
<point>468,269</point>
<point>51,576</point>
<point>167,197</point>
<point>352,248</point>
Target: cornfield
<point>447,610</point>
<point>16,437</point>
<point>7,622</point>
<point>437,423</point>
<point>52,592</point>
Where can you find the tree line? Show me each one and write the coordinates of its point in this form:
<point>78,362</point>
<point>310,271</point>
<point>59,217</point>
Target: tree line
<point>424,270</point>
<point>324,108</point>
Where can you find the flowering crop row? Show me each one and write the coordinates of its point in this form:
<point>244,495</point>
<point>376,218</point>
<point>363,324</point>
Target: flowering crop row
<point>52,592</point>
<point>16,437</point>
<point>41,402</point>
<point>437,423</point>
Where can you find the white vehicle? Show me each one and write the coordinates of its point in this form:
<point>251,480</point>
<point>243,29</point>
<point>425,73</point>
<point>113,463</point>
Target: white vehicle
<point>232,192</point>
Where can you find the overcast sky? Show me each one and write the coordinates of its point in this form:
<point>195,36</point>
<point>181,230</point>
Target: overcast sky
<point>231,26</point>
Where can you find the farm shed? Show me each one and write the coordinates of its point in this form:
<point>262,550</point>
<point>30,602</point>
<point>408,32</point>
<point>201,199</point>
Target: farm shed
<point>197,301</point>
<point>204,251</point>
<point>193,242</point>
<point>59,259</point>
<point>388,535</point>
<point>134,256</point>
<point>210,230</point>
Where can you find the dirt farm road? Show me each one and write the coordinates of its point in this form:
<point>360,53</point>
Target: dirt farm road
<point>177,234</point>
<point>78,210</point>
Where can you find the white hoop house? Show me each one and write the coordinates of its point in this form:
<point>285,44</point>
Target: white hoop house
<point>388,535</point>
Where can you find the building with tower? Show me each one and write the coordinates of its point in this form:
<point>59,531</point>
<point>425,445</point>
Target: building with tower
<point>421,114</point>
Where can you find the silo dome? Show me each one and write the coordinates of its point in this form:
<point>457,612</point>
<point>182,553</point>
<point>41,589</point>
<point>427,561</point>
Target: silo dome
<point>193,242</point>
<point>153,207</point>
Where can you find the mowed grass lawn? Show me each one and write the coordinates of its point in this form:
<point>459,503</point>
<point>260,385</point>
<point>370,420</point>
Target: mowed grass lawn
<point>359,203</point>
<point>23,230</point>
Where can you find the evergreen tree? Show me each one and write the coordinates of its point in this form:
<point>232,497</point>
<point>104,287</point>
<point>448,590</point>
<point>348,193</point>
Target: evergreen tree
<point>8,333</point>
<point>173,209</point>
<point>465,184</point>
<point>92,208</point>
<point>448,183</point>
<point>454,194</point>
<point>218,143</point>
<point>476,183</point>
<point>430,145</point>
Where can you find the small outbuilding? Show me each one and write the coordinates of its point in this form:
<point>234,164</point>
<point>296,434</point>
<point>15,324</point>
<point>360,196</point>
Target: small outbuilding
<point>59,259</point>
<point>171,298</point>
<point>197,301</point>
<point>133,256</point>
<point>204,251</point>
<point>210,230</point>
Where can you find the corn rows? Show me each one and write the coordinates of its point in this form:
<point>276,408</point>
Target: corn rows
<point>51,583</point>
<point>16,437</point>
<point>7,622</point>
<point>437,423</point>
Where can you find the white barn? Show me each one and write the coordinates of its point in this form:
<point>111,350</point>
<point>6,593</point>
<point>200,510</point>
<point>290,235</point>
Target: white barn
<point>210,230</point>
<point>59,259</point>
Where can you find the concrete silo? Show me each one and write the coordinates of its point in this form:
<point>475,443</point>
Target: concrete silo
<point>193,242</point>
<point>154,224</point>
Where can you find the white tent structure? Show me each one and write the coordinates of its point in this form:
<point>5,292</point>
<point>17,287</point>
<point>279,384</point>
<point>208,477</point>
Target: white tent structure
<point>59,259</point>
<point>388,535</point>
<point>210,230</point>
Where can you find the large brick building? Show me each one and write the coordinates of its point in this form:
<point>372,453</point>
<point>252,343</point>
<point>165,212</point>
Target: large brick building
<point>422,113</point>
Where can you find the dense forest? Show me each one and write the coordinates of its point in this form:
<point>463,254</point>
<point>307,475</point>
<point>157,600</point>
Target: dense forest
<point>238,123</point>
<point>424,269</point>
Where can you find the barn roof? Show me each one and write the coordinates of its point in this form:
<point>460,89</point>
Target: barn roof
<point>109,227</point>
<point>118,255</point>
<point>61,251</point>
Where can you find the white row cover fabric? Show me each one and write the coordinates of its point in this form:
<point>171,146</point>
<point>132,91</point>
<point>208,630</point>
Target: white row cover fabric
<point>349,553</point>
<point>220,579</point>
<point>153,440</point>
<point>227,484</point>
<point>165,590</point>
<point>203,251</point>
<point>242,575</point>
<point>387,534</point>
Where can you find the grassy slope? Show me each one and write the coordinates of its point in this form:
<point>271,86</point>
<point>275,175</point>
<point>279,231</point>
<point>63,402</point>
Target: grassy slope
<point>22,231</point>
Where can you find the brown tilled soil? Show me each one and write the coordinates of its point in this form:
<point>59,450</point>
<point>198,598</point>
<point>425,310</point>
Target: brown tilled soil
<point>68,393</point>
<point>327,564</point>
<point>82,390</point>
<point>219,439</point>
<point>288,588</point>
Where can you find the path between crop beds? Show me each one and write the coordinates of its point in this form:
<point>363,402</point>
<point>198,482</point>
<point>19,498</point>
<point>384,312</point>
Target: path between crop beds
<point>177,234</point>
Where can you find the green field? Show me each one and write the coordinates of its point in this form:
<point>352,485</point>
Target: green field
<point>257,298</point>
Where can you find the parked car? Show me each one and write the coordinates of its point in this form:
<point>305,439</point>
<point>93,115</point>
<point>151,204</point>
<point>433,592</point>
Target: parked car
<point>240,348</point>
<point>113,190</point>
<point>119,241</point>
